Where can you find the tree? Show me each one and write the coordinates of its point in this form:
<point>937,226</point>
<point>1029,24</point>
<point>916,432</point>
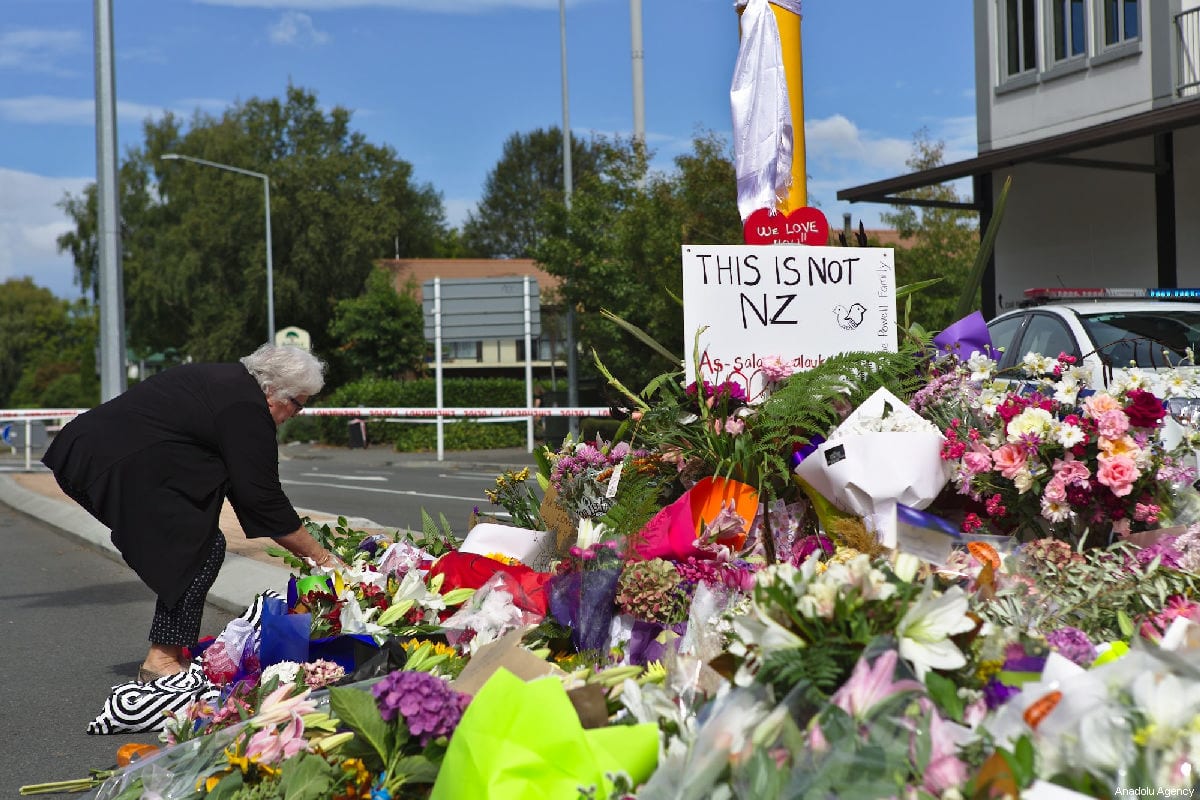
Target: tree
<point>528,174</point>
<point>194,250</point>
<point>947,240</point>
<point>618,247</point>
<point>44,341</point>
<point>382,331</point>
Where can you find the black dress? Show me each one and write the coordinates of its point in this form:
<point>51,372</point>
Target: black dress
<point>156,463</point>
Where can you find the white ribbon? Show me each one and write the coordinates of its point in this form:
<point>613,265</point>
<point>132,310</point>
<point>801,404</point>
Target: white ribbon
<point>762,118</point>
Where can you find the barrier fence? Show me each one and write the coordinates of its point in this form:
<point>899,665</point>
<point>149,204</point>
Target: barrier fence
<point>12,417</point>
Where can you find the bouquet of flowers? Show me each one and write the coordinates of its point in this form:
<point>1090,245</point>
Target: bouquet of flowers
<point>1050,455</point>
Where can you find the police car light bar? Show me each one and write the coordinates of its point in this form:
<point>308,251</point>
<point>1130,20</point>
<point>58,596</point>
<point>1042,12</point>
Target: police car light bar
<point>1071,293</point>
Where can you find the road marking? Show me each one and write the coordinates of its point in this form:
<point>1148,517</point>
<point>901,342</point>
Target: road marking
<point>406,492</point>
<point>351,477</point>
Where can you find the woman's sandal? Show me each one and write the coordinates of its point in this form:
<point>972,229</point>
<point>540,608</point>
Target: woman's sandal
<point>148,675</point>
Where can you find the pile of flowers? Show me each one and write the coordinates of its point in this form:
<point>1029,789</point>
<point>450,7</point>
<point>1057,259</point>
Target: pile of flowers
<point>716,626</point>
<point>1051,453</point>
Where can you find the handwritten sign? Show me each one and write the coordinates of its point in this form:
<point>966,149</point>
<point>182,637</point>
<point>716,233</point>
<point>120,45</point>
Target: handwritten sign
<point>805,225</point>
<point>799,304</point>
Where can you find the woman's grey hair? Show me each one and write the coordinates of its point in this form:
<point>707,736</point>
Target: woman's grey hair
<point>286,370</point>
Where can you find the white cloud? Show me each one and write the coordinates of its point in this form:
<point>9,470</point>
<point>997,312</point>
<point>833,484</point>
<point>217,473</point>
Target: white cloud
<point>30,222</point>
<point>31,50</point>
<point>296,29</point>
<point>46,109</point>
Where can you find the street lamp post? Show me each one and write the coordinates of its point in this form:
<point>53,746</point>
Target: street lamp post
<point>267,200</point>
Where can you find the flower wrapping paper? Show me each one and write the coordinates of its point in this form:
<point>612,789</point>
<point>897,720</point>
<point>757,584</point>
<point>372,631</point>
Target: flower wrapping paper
<point>533,548</point>
<point>883,454</point>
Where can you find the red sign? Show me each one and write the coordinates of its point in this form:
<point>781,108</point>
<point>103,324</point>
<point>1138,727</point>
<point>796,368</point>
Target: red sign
<point>805,225</point>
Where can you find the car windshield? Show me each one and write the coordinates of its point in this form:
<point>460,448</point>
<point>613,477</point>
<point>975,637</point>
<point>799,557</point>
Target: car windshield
<point>1141,337</point>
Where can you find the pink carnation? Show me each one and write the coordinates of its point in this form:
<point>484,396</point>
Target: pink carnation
<point>977,461</point>
<point>1071,471</point>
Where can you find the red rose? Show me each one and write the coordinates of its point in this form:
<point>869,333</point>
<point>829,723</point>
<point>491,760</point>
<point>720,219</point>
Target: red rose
<point>1144,409</point>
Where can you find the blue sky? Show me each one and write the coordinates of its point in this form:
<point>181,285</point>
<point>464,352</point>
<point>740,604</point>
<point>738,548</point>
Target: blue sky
<point>445,82</point>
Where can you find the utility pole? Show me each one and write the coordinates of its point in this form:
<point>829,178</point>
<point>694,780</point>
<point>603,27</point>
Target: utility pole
<point>108,231</point>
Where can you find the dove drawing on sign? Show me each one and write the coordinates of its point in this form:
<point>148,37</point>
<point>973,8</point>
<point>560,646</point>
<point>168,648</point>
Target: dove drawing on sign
<point>849,318</point>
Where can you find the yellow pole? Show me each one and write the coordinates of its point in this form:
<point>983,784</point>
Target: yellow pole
<point>793,70</point>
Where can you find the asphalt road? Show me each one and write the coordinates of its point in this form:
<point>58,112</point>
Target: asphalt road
<point>73,623</point>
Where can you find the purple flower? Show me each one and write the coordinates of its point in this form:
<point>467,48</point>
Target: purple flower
<point>1074,644</point>
<point>996,694</point>
<point>1164,549</point>
<point>809,545</point>
<point>429,706</point>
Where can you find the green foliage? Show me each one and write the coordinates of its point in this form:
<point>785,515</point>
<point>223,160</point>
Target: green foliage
<point>193,236</point>
<point>617,247</point>
<point>47,349</point>
<point>639,497</point>
<point>945,242</point>
<point>422,393</point>
<point>382,332</point>
<point>815,671</point>
<point>528,174</point>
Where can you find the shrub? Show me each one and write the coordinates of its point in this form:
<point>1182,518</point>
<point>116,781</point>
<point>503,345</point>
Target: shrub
<point>422,393</point>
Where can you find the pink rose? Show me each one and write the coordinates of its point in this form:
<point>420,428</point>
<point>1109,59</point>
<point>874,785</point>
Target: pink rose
<point>1009,459</point>
<point>1098,403</point>
<point>1056,490</point>
<point>1117,473</point>
<point>1112,424</point>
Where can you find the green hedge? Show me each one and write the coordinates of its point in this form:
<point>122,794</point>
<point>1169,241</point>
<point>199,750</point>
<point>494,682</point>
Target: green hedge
<point>422,393</point>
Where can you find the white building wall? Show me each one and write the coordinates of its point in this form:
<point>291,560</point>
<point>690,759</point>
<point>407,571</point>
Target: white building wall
<point>1073,226</point>
<point>1063,101</point>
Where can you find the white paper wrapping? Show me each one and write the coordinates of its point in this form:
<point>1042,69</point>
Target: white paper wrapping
<point>865,471</point>
<point>534,549</point>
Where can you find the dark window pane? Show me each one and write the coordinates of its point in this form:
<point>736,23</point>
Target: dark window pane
<point>1060,26</point>
<point>1131,19</point>
<point>1141,337</point>
<point>1047,336</point>
<point>1012,31</point>
<point>1111,34</point>
<point>1002,332</point>
<point>1028,35</point>
<point>1078,43</point>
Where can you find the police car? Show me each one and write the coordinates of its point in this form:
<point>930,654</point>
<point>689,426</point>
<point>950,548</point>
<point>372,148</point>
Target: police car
<point>1107,330</point>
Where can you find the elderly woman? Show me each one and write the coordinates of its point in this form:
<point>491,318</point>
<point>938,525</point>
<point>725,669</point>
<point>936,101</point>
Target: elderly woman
<point>156,463</point>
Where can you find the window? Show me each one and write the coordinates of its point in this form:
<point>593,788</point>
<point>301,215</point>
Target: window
<point>462,351</point>
<point>1020,32</point>
<point>1143,338</point>
<point>1046,336</point>
<point>1068,29</point>
<point>1002,333</point>
<point>1121,21</point>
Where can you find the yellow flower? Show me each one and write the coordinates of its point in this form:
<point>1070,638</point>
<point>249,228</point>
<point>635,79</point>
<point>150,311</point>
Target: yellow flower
<point>435,648</point>
<point>503,559</point>
<point>987,669</point>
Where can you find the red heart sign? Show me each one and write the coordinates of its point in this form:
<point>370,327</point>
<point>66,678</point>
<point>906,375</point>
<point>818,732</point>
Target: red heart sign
<point>805,225</point>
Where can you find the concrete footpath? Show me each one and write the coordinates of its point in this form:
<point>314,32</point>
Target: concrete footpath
<point>248,569</point>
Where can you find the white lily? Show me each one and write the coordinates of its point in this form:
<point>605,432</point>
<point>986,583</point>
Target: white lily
<point>925,631</point>
<point>589,533</point>
<point>355,620</point>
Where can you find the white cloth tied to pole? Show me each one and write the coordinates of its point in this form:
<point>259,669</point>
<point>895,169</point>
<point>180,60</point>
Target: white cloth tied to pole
<point>762,117</point>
